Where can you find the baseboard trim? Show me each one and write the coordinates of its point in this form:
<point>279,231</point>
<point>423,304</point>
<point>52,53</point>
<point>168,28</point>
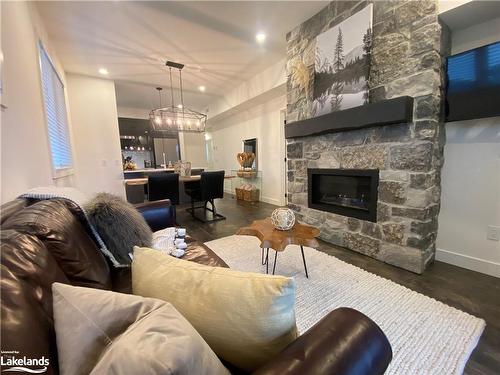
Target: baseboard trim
<point>269,200</point>
<point>273,201</point>
<point>471,263</point>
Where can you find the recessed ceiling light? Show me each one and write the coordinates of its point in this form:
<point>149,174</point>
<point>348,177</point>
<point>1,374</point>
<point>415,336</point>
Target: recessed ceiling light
<point>103,71</point>
<point>202,88</point>
<point>260,37</point>
<point>179,106</point>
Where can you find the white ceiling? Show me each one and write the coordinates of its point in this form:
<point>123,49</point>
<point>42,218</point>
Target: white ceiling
<point>215,40</point>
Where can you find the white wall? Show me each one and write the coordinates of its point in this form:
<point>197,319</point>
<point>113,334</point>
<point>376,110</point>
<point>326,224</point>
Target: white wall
<point>193,149</point>
<point>262,122</point>
<point>96,136</point>
<point>475,36</point>
<point>25,161</point>
<point>253,110</point>
<point>270,81</point>
<point>446,5</point>
<point>470,198</point>
<point>130,112</point>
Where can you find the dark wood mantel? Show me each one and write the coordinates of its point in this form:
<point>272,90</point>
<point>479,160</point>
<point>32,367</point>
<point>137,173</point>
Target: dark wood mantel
<point>392,111</point>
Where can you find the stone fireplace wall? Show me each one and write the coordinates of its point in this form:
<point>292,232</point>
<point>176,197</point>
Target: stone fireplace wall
<point>408,45</point>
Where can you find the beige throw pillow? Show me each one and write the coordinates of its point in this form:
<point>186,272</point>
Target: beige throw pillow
<point>103,332</point>
<point>246,318</point>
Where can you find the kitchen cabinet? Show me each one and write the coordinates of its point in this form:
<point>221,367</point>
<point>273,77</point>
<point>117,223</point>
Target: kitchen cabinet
<point>166,149</point>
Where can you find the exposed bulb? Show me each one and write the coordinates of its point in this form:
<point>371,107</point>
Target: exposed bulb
<point>260,37</point>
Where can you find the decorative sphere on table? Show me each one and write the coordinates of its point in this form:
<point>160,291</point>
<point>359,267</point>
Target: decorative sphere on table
<point>283,218</point>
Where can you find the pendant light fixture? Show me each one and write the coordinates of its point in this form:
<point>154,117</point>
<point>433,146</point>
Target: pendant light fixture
<point>178,118</point>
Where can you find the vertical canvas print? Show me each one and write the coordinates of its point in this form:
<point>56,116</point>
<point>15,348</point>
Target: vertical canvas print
<point>342,64</point>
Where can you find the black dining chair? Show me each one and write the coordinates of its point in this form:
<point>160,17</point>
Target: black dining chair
<point>164,186</point>
<point>207,189</point>
<point>197,171</point>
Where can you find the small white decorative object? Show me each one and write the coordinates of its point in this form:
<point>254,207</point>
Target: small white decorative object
<point>163,240</point>
<point>168,240</point>
<point>283,218</point>
<point>177,252</point>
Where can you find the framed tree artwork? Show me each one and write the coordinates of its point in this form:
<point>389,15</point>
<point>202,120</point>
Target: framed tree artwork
<point>342,64</point>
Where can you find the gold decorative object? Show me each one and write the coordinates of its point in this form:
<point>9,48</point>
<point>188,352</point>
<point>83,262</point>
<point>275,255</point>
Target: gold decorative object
<point>301,75</point>
<point>129,165</point>
<point>245,159</point>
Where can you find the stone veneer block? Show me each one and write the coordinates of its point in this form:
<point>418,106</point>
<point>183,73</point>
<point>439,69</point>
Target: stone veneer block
<point>412,157</point>
<point>394,232</point>
<point>363,244</point>
<point>402,256</point>
<point>363,157</point>
<point>392,192</point>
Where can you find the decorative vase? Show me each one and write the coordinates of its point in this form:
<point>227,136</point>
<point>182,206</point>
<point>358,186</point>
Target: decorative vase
<point>183,168</point>
<point>283,218</point>
<point>245,159</point>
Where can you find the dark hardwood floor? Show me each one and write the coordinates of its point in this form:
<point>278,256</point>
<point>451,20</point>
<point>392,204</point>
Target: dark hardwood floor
<point>466,290</point>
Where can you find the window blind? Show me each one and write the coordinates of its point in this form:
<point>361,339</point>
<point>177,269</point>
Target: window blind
<point>462,69</point>
<point>55,112</point>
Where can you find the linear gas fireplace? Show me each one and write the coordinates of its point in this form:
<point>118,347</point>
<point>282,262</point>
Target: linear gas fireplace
<point>348,192</point>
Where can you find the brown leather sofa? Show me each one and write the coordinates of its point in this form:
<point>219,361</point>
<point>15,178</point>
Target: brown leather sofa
<point>43,242</point>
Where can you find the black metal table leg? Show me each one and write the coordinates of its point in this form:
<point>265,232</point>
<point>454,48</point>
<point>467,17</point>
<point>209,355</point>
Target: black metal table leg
<point>275,257</point>
<point>267,260</point>
<point>304,259</point>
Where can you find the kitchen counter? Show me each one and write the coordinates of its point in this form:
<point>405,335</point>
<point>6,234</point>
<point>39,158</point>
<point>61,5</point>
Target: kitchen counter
<point>154,170</point>
<point>136,183</point>
<point>144,180</point>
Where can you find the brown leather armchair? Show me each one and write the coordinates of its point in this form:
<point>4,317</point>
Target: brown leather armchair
<point>45,242</point>
<point>343,342</point>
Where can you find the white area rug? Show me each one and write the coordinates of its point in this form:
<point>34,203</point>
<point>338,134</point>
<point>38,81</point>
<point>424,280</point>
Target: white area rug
<point>427,336</point>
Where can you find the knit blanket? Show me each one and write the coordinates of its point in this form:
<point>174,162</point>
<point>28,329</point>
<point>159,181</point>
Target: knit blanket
<point>79,199</point>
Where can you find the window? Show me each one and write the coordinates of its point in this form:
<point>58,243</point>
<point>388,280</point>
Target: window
<point>56,115</point>
<point>462,69</point>
<point>493,53</point>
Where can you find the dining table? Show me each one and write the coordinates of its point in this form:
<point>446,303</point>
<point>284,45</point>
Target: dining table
<point>135,188</point>
<point>144,180</point>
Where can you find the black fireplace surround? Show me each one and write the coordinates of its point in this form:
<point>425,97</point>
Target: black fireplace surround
<point>348,192</point>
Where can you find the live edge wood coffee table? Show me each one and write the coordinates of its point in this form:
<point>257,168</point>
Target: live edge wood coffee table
<point>278,240</point>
